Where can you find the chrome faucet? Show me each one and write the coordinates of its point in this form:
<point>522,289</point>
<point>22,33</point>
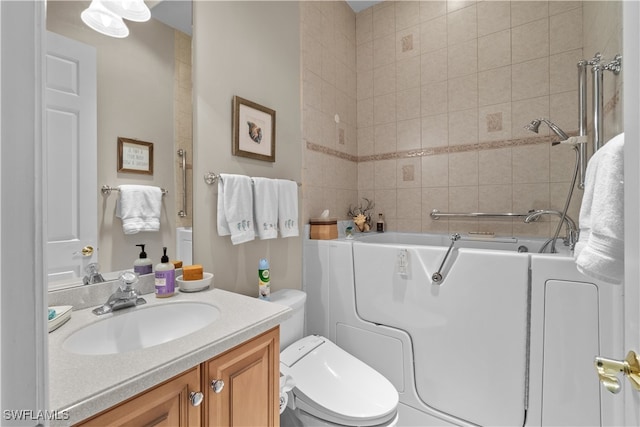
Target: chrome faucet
<point>571,237</point>
<point>93,276</point>
<point>125,296</point>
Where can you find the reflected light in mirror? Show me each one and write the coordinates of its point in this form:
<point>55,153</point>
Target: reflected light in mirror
<point>98,18</point>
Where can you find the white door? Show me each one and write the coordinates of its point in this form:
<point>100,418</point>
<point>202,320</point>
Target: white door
<point>71,133</point>
<point>631,72</point>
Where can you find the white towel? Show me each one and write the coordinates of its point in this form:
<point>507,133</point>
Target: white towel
<point>288,208</point>
<point>599,252</point>
<point>265,207</point>
<point>139,207</point>
<point>235,208</point>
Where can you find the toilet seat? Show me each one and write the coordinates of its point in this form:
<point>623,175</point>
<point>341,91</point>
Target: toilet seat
<point>333,385</point>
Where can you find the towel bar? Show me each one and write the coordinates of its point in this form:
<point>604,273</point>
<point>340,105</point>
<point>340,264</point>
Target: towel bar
<point>211,178</point>
<point>107,189</point>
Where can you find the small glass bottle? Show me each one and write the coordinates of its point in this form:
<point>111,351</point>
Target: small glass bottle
<point>380,224</point>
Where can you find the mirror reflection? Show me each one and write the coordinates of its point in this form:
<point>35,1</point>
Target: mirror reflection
<point>139,88</point>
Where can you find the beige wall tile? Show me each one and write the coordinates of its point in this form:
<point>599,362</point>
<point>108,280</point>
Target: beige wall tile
<point>493,16</point>
<point>462,59</point>
<point>409,204</point>
<point>384,50</point>
<point>530,41</point>
<point>386,202</point>
<point>563,74</point>
<point>365,112</point>
<point>384,80</point>
<point>407,14</point>
<point>463,127</point>
<point>365,176</point>
<point>463,200</point>
<point>435,131</point>
<point>435,171</point>
<point>364,57</point>
<point>408,73</point>
<point>384,20</point>
<point>435,198</point>
<point>408,43</point>
<point>494,50</point>
<point>328,98</point>
<point>527,11</point>
<point>453,5</point>
<point>364,26</point>
<point>531,164</point>
<point>463,169</point>
<point>463,93</point>
<point>433,34</point>
<point>530,79</point>
<point>495,198</point>
<point>384,108</point>
<point>408,105</point>
<point>530,196</point>
<point>557,7</point>
<point>563,109</point>
<point>365,141</point>
<point>434,98</point>
<point>385,138</point>
<point>312,87</point>
<point>430,9</point>
<point>462,25</point>
<point>495,167</point>
<point>562,163</point>
<point>409,175</point>
<point>494,86</point>
<point>409,134</point>
<point>434,66</point>
<point>566,31</point>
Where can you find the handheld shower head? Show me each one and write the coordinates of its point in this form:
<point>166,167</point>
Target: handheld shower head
<point>535,125</point>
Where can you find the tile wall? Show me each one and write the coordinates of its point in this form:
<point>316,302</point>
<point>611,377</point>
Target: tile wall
<point>443,90</point>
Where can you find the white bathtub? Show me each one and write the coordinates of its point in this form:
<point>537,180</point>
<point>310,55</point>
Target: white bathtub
<point>506,338</point>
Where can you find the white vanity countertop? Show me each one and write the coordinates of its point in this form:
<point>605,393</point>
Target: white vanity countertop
<point>84,385</point>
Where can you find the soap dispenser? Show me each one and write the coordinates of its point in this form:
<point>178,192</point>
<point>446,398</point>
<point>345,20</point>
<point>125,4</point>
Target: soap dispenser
<point>142,265</point>
<point>165,277</point>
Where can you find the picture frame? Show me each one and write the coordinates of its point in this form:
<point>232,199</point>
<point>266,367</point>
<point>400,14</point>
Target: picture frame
<point>254,130</point>
<point>135,156</point>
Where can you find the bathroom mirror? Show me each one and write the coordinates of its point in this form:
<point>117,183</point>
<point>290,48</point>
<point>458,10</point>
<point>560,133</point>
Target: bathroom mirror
<point>143,93</point>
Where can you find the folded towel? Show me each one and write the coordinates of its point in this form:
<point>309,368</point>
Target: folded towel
<point>288,208</point>
<point>139,207</point>
<point>599,252</point>
<point>235,208</point>
<point>265,207</point>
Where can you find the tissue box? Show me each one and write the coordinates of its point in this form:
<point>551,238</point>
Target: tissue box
<point>323,228</point>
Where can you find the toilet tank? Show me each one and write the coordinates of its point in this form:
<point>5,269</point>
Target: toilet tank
<point>291,330</point>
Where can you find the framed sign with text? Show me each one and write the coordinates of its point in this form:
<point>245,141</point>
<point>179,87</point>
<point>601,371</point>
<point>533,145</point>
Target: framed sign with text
<point>135,156</point>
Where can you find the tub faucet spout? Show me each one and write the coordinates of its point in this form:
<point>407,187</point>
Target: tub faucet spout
<point>571,237</point>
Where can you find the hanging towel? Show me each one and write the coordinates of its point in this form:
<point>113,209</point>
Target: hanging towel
<point>139,207</point>
<point>287,208</point>
<point>235,208</point>
<point>265,207</point>
<point>599,252</point>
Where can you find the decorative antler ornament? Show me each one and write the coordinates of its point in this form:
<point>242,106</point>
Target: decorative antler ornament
<point>362,215</point>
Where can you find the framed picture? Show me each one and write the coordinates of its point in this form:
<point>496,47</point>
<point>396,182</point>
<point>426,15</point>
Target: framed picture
<point>254,130</point>
<point>135,156</point>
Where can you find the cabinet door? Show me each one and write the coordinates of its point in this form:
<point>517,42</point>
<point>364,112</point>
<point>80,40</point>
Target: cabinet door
<point>166,405</point>
<point>250,374</point>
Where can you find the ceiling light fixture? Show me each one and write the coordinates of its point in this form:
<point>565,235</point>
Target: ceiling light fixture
<point>132,10</point>
<point>104,21</point>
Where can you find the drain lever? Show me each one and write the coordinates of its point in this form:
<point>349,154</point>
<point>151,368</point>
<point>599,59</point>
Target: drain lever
<point>437,276</point>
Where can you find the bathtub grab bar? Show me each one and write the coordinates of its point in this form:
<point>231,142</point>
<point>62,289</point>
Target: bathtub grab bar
<point>436,214</point>
<point>183,153</point>
<point>437,276</point>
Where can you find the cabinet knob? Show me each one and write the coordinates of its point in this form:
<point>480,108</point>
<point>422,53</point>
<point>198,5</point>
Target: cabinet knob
<point>196,398</point>
<point>217,386</point>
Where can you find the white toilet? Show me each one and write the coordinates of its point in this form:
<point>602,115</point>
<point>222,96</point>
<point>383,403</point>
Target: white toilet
<point>331,386</point>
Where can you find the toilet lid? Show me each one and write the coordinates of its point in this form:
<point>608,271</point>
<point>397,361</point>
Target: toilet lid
<point>332,385</point>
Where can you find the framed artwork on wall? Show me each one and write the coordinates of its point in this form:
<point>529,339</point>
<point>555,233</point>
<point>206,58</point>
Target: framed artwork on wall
<point>135,156</point>
<point>254,130</point>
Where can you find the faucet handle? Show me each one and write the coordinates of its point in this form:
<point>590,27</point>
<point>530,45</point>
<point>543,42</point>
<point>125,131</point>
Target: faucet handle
<point>128,278</point>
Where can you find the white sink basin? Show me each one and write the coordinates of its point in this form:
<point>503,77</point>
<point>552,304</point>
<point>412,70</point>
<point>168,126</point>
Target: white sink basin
<point>141,327</point>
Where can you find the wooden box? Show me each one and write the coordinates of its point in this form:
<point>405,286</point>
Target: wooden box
<point>323,228</point>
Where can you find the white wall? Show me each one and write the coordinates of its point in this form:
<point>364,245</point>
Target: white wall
<point>249,49</point>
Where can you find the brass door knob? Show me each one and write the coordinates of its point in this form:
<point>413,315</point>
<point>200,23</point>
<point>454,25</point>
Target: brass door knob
<point>608,370</point>
<point>87,251</point>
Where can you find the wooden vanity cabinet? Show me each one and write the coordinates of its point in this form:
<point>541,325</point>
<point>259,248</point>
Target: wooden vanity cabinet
<point>250,395</point>
<point>166,405</point>
<point>243,384</point>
